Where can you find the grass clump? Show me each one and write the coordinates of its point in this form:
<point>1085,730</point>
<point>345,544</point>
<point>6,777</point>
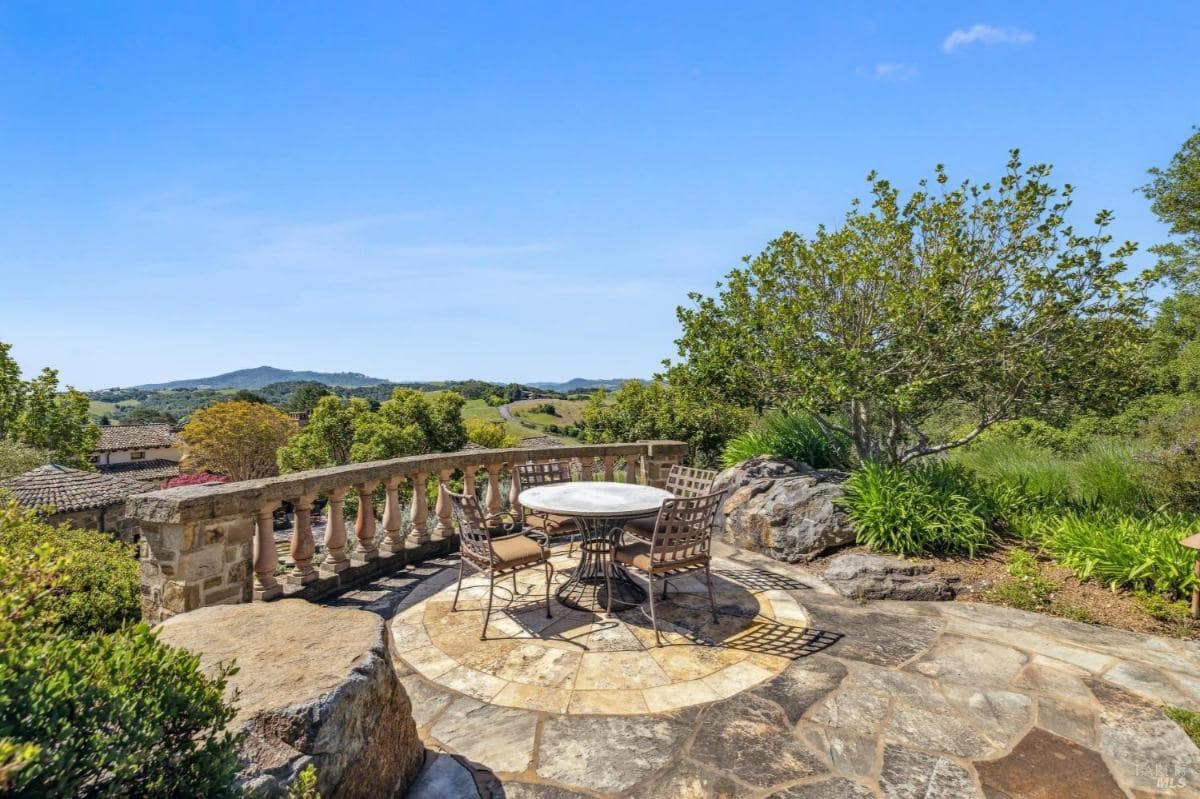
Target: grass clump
<point>1188,720</point>
<point>796,436</point>
<point>930,508</point>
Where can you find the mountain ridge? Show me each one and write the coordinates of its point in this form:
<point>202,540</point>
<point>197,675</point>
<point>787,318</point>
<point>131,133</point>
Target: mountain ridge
<point>260,376</point>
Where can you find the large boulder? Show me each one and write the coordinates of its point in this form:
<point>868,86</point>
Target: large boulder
<point>782,508</point>
<point>862,576</point>
<point>315,685</point>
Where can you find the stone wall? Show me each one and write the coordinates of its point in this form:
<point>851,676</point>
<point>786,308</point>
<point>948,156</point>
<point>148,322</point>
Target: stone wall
<point>195,564</point>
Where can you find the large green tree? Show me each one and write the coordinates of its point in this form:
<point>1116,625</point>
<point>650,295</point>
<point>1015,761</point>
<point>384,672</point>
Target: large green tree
<point>39,414</point>
<point>659,410</point>
<point>967,293</point>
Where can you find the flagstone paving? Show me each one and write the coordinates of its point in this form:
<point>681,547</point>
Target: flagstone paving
<point>795,693</point>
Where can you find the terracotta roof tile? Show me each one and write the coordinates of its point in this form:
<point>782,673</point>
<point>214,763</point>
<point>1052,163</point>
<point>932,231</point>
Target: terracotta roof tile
<point>135,436</point>
<point>152,471</point>
<point>69,490</point>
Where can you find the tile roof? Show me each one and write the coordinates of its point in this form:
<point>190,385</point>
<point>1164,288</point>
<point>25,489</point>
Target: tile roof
<point>540,441</point>
<point>69,490</point>
<point>135,436</point>
<point>154,470</point>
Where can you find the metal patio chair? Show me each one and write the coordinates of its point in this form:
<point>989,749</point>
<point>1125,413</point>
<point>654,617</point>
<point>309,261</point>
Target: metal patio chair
<point>682,481</point>
<point>536,523</point>
<point>495,555</point>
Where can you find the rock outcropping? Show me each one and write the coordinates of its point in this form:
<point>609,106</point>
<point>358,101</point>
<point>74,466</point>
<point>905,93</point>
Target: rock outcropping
<point>862,576</point>
<point>315,685</point>
<point>783,508</point>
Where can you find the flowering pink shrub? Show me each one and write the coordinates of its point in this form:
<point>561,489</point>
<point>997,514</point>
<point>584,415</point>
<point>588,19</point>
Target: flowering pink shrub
<point>194,480</point>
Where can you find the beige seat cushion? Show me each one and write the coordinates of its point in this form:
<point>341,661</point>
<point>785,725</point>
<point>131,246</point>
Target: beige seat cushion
<point>550,523</point>
<point>516,551</point>
<point>641,528</point>
<point>638,556</point>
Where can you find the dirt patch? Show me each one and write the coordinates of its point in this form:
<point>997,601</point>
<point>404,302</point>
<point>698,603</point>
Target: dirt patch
<point>986,579</point>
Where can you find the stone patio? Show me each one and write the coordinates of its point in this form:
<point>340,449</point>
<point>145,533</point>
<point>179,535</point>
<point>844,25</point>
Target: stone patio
<point>796,692</point>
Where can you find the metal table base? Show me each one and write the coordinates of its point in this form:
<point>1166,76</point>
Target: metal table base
<point>598,575</point>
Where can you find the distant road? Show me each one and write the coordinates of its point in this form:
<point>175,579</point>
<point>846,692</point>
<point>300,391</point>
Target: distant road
<point>505,413</point>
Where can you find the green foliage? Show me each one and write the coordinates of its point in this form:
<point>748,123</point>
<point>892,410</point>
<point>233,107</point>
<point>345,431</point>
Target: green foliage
<point>1174,193</point>
<point>971,295</point>
<point>326,439</point>
<point>927,508</point>
<point>116,714</point>
<point>797,436</point>
<point>1122,551</point>
<point>306,396</point>
<point>410,423</point>
<point>97,588</point>
<point>37,414</point>
<point>148,416</point>
<point>489,434</point>
<point>1188,720</point>
<point>17,458</point>
<point>658,410</point>
<point>305,784</point>
<point>1172,457</point>
<point>1176,614</point>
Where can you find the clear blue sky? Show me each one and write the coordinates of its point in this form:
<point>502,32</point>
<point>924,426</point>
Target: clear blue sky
<point>509,190</point>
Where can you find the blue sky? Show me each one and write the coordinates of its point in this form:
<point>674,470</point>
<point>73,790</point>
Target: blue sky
<point>510,190</point>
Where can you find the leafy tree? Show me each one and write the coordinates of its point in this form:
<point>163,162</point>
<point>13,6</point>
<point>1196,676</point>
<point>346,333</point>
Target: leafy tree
<point>326,439</point>
<point>38,414</point>
<point>237,439</point>
<point>17,458</point>
<point>489,434</point>
<point>306,397</point>
<point>968,294</point>
<point>410,423</point>
<point>149,416</point>
<point>1174,194</point>
<point>659,410</point>
<point>245,395</point>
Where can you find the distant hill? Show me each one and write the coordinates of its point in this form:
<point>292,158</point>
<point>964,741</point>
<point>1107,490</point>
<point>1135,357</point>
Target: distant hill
<point>583,384</point>
<point>266,375</point>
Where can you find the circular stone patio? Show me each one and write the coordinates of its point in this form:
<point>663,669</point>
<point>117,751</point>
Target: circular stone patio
<point>593,663</point>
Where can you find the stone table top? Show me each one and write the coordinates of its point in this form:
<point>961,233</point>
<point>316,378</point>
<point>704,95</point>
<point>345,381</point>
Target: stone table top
<point>594,499</point>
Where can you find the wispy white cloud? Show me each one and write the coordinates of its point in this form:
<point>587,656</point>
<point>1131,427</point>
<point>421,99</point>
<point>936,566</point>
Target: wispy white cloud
<point>979,33</point>
<point>897,71</point>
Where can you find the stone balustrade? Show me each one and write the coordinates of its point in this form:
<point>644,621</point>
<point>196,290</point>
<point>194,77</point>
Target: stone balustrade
<point>215,544</point>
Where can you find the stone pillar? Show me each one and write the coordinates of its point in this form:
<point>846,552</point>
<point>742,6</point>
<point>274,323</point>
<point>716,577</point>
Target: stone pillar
<point>335,534</point>
<point>265,557</point>
<point>585,468</point>
<point>420,510</point>
<point>492,497</point>
<point>364,524</point>
<point>185,566</point>
<point>392,520</point>
<point>303,546</point>
<point>609,468</point>
<point>631,466</point>
<point>661,456</point>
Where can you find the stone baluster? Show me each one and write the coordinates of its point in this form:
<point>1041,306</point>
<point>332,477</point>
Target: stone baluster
<point>364,524</point>
<point>585,468</point>
<point>335,534</point>
<point>392,520</point>
<point>492,497</point>
<point>631,467</point>
<point>514,491</point>
<point>609,468</point>
<point>420,510</point>
<point>265,556</point>
<point>445,526</point>
<point>303,547</point>
<point>469,481</point>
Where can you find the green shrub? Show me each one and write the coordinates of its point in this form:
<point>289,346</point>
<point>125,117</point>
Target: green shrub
<point>1110,475</point>
<point>116,714</point>
<point>928,508</point>
<point>1035,475</point>
<point>99,586</point>
<point>1188,720</point>
<point>1123,551</point>
<point>789,435</point>
<point>1172,457</point>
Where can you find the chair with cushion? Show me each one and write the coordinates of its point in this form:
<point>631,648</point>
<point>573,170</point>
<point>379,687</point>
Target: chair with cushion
<point>495,555</point>
<point>682,481</point>
<point>536,523</point>
<point>678,544</point>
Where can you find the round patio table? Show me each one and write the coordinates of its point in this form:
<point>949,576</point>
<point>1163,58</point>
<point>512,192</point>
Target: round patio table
<point>601,510</point>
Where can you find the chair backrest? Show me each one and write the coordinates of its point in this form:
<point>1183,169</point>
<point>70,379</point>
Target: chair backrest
<point>542,474</point>
<point>685,481</point>
<point>683,529</point>
<point>475,542</point>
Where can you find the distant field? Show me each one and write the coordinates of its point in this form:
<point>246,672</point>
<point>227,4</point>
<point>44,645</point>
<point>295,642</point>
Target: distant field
<point>570,412</point>
<point>526,423</point>
<point>97,408</point>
